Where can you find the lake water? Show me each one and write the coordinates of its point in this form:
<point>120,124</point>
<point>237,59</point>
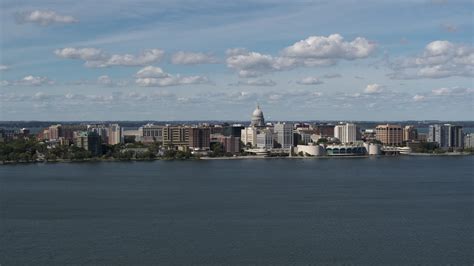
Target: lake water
<point>396,210</point>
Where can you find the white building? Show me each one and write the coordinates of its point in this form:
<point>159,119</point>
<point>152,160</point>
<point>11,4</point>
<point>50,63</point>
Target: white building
<point>469,141</point>
<point>265,139</point>
<point>249,135</point>
<point>257,118</point>
<point>114,134</point>
<point>284,134</point>
<point>346,133</point>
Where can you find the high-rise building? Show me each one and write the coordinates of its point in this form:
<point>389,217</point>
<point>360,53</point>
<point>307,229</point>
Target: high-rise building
<point>389,134</point>
<point>176,136</point>
<point>257,118</point>
<point>284,134</point>
<point>469,141</point>
<point>233,130</point>
<point>410,133</point>
<point>101,130</point>
<point>248,135</point>
<point>89,141</point>
<point>265,139</point>
<point>199,138</point>
<point>114,134</point>
<point>152,133</point>
<point>54,132</point>
<point>346,133</point>
<point>324,130</point>
<point>446,136</point>
<point>230,144</point>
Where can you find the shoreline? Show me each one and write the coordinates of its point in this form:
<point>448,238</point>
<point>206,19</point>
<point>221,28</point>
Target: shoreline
<point>250,157</point>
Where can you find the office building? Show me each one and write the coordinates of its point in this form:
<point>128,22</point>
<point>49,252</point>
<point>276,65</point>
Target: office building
<point>230,144</point>
<point>152,133</point>
<point>114,134</point>
<point>410,134</point>
<point>199,138</point>
<point>346,133</point>
<point>265,139</point>
<point>284,135</point>
<point>391,135</point>
<point>446,136</point>
<point>89,141</point>
<point>176,136</point>
<point>249,136</point>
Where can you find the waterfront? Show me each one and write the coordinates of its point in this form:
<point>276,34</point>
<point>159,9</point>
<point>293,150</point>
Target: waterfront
<point>397,210</point>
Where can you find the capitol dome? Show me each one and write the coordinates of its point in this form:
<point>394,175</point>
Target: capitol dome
<point>257,118</point>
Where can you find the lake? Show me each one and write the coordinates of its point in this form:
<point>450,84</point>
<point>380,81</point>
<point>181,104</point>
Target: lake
<point>386,210</point>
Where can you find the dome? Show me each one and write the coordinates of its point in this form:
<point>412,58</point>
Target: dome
<point>257,118</point>
<point>258,112</point>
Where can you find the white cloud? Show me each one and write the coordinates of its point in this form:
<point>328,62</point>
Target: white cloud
<point>151,76</point>
<point>332,76</point>
<point>456,91</point>
<point>104,80</point>
<point>418,98</point>
<point>189,58</point>
<point>94,57</point>
<point>330,47</point>
<point>4,67</point>
<point>373,88</point>
<point>309,81</point>
<point>312,52</point>
<point>45,17</point>
<point>257,82</point>
<point>440,59</point>
<point>34,81</point>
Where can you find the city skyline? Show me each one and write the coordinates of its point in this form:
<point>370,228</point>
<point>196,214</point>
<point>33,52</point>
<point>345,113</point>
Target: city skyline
<point>186,60</point>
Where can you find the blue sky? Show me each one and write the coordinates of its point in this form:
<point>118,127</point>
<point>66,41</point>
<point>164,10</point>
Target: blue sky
<point>192,60</point>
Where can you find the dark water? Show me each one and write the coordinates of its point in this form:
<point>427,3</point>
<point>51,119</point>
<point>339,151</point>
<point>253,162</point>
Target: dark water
<point>338,211</point>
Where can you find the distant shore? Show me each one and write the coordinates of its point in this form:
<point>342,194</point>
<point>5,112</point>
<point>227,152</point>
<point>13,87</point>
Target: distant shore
<point>249,157</point>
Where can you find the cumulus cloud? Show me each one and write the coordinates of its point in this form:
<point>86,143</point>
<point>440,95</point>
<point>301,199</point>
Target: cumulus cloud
<point>104,80</point>
<point>257,82</point>
<point>311,52</point>
<point>440,59</point>
<point>151,76</point>
<point>332,76</point>
<point>330,47</point>
<point>4,67</point>
<point>94,57</point>
<point>34,81</point>
<point>418,98</point>
<point>309,81</point>
<point>456,91</point>
<point>189,58</point>
<point>373,88</point>
<point>44,18</point>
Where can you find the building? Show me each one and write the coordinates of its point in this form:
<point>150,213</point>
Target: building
<point>391,135</point>
<point>265,139</point>
<point>54,132</point>
<point>233,130</point>
<point>410,134</point>
<point>230,144</point>
<point>200,138</point>
<point>152,133</point>
<point>469,141</point>
<point>346,133</point>
<point>89,141</point>
<point>248,136</point>
<point>257,118</point>
<point>346,150</point>
<point>284,135</point>
<point>114,134</point>
<point>101,130</point>
<point>176,136</point>
<point>446,136</point>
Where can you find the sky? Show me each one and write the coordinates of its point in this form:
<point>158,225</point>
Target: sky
<point>216,60</point>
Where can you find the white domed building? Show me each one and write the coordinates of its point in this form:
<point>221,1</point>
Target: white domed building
<point>257,118</point>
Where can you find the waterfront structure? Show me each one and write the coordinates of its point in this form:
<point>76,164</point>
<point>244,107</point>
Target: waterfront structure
<point>230,144</point>
<point>114,134</point>
<point>257,118</point>
<point>410,133</point>
<point>265,139</point>
<point>199,138</point>
<point>346,133</point>
<point>90,141</point>
<point>469,141</point>
<point>249,136</point>
<point>284,134</point>
<point>389,134</point>
<point>176,137</point>
<point>312,150</point>
<point>446,136</point>
<point>346,150</point>
<point>152,133</point>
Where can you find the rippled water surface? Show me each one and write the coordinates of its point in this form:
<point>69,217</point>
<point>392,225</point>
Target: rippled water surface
<point>399,210</point>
